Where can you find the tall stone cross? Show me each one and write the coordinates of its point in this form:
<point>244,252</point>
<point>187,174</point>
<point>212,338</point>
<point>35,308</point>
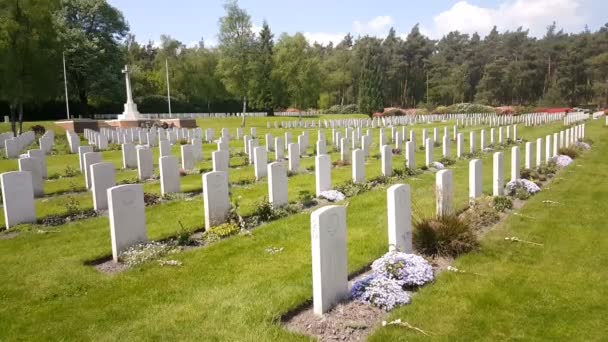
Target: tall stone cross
<point>128,81</point>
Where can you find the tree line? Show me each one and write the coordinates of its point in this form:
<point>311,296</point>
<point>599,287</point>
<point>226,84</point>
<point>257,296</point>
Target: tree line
<point>269,72</point>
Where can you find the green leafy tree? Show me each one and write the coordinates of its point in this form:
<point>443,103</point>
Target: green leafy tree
<point>370,83</point>
<point>236,40</point>
<point>91,32</point>
<point>297,67</point>
<point>29,59</point>
<point>262,64</point>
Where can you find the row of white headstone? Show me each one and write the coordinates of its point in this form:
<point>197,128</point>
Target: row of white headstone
<point>14,145</point>
<point>462,120</point>
<point>328,224</point>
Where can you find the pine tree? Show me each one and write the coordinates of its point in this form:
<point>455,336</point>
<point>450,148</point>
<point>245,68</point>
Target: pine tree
<point>261,82</point>
<point>370,84</point>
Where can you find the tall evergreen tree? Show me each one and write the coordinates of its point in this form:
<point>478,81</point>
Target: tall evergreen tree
<point>261,81</point>
<point>370,84</point>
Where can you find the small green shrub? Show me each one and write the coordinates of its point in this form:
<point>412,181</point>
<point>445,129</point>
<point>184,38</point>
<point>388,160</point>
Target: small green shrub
<point>310,168</point>
<point>447,236</point>
<point>184,236</point>
<point>569,151</point>
<point>72,204</point>
<point>350,189</point>
<point>522,194</point>
<point>69,171</point>
<point>502,203</point>
<point>223,231</point>
<point>151,199</point>
<point>447,161</point>
<point>481,214</point>
<point>306,198</point>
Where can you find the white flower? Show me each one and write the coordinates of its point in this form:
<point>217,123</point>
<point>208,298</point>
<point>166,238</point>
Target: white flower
<point>438,165</point>
<point>332,195</point>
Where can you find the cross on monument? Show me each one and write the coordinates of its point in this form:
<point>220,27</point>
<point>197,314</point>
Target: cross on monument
<point>130,112</point>
<point>128,82</point>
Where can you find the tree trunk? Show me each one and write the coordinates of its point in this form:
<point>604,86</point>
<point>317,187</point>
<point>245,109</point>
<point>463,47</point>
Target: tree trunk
<point>20,118</point>
<point>13,119</point>
<point>84,102</point>
<point>244,112</point>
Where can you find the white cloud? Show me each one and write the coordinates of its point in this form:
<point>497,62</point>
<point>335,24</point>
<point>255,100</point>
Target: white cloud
<point>377,27</point>
<point>534,15</point>
<point>324,38</point>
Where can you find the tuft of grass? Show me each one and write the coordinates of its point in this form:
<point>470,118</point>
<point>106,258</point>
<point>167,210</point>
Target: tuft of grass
<point>446,236</point>
<point>569,151</point>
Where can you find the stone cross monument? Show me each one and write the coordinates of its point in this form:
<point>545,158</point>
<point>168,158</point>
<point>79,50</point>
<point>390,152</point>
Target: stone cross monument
<point>130,112</point>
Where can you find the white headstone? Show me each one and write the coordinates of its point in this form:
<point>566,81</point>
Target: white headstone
<point>387,161</point>
<point>515,163</point>
<point>293,152</point>
<point>260,161</point>
<point>528,157</point>
<point>329,265</point>
<point>216,198</point>
<point>90,158</point>
<point>221,161</point>
<point>81,151</point>
<point>103,177</point>
<point>33,166</point>
<point>145,166</point>
<point>187,157</point>
<point>498,178</point>
<point>127,217</point>
<point>129,156</point>
<point>399,218</point>
<point>277,184</point>
<point>429,154</point>
<point>475,175</point>
<point>444,192</point>
<point>358,166</point>
<point>322,173</point>
<point>17,198</point>
<point>410,155</point>
<point>164,147</point>
<point>169,175</point>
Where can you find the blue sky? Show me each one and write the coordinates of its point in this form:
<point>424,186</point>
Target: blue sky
<point>324,21</point>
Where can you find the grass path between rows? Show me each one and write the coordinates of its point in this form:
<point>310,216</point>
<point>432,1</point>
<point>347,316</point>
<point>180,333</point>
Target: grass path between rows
<point>557,292</point>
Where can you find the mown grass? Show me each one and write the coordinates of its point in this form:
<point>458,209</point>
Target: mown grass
<point>556,292</point>
<point>232,290</point>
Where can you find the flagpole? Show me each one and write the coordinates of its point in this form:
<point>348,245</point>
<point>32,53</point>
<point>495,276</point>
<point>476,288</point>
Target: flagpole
<point>65,83</point>
<point>168,88</point>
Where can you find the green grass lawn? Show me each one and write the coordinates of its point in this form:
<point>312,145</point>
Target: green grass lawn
<point>232,290</point>
<point>552,293</point>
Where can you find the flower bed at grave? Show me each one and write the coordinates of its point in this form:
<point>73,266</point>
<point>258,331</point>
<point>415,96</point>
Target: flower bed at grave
<point>332,195</point>
<point>562,161</point>
<point>524,184</point>
<point>391,275</point>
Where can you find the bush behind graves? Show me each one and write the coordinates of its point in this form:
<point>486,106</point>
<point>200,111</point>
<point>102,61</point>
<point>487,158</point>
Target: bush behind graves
<point>446,236</point>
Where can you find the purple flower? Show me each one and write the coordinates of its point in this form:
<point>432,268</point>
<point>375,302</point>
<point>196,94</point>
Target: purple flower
<point>405,269</point>
<point>437,165</point>
<point>562,161</point>
<point>582,145</point>
<point>332,195</point>
<point>379,291</point>
<point>525,184</point>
